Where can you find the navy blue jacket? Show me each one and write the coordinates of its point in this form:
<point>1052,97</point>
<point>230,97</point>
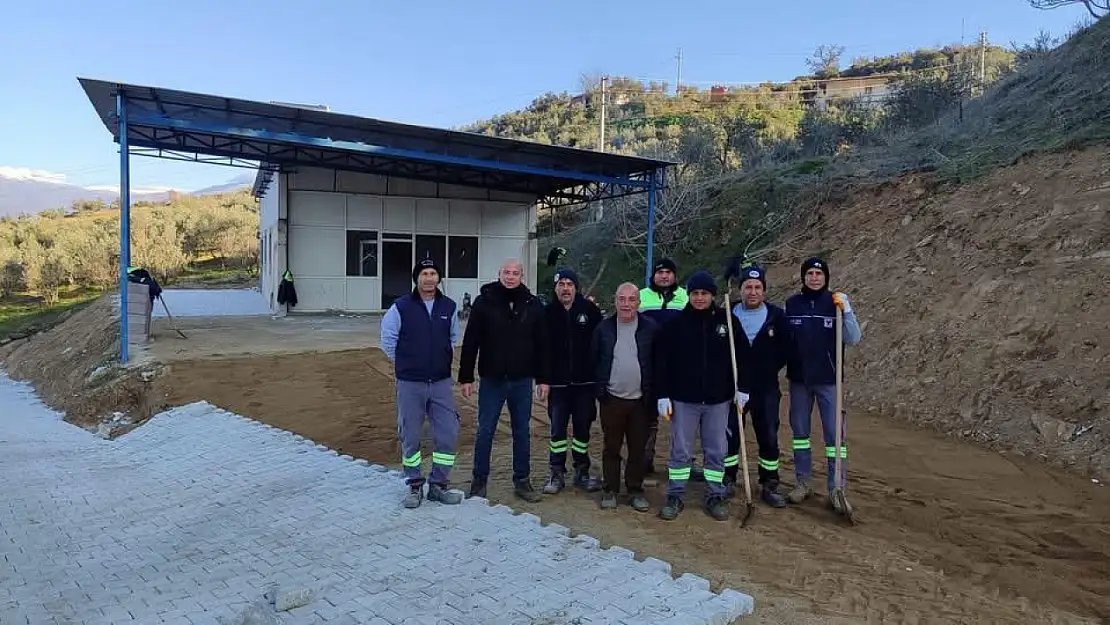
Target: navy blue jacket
<point>424,351</point>
<point>692,361</point>
<point>761,361</point>
<point>812,318</point>
<point>569,333</point>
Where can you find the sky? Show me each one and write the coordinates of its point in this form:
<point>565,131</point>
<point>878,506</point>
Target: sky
<point>432,62</point>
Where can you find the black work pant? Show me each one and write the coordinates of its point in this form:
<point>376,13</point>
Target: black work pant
<point>624,420</point>
<point>764,410</point>
<point>575,406</point>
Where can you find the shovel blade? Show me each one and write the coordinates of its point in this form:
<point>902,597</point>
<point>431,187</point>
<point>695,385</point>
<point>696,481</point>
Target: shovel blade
<point>843,507</point>
<point>749,512</point>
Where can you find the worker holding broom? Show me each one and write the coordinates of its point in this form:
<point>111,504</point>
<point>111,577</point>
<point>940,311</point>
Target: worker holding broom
<point>762,347</point>
<point>812,370</point>
<point>695,383</point>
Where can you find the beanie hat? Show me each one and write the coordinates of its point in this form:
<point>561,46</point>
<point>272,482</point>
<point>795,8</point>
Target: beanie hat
<point>664,263</point>
<point>816,263</point>
<point>566,274</point>
<point>701,281</point>
<point>753,272</point>
<point>427,263</point>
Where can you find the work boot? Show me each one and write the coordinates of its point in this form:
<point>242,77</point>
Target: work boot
<point>771,496</point>
<point>673,508</point>
<point>717,508</point>
<point>555,483</point>
<point>523,489</point>
<point>439,493</point>
<point>730,486</point>
<point>608,501</point>
<point>639,503</point>
<point>477,489</point>
<point>802,491</point>
<point>415,496</point>
<point>583,481</point>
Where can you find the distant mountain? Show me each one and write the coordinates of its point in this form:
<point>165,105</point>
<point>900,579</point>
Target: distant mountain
<point>30,191</point>
<point>245,180</point>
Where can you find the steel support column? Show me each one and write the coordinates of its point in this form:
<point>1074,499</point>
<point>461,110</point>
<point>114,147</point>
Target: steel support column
<point>124,221</point>
<point>650,228</point>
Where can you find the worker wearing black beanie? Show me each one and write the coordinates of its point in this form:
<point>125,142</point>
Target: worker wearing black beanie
<point>811,370</point>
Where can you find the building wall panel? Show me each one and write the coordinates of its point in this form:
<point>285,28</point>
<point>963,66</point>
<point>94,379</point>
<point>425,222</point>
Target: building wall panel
<point>400,214</point>
<point>316,252</point>
<point>364,212</point>
<point>313,208</point>
<point>431,215</point>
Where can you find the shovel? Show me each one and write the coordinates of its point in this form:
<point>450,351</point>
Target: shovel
<point>173,324</point>
<point>840,502</point>
<point>750,510</point>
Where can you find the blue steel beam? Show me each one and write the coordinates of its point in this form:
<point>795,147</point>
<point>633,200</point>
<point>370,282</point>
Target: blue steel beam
<point>124,222</point>
<point>155,121</point>
<point>650,231</point>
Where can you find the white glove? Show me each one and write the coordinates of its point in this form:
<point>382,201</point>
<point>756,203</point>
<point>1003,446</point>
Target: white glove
<point>664,408</point>
<point>741,399</point>
<point>841,300</point>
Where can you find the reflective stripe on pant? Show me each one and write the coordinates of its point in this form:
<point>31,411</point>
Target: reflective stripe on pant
<point>493,395</point>
<point>687,419</point>
<point>802,398</point>
<point>436,402</point>
<point>574,406</point>
<point>764,411</point>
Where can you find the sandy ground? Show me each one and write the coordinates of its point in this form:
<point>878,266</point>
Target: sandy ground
<point>949,532</point>
<point>231,336</point>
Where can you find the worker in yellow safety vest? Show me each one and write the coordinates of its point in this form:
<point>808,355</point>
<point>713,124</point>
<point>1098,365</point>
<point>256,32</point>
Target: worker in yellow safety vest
<point>661,301</point>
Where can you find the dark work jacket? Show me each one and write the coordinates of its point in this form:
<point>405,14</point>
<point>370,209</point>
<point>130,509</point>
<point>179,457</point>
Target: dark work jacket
<point>761,360</point>
<point>424,351</point>
<point>812,318</point>
<point>507,327</point>
<point>605,341</point>
<point>569,333</point>
<point>692,361</point>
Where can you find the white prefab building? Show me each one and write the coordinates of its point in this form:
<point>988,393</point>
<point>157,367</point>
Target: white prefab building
<point>349,204</point>
<point>350,239</point>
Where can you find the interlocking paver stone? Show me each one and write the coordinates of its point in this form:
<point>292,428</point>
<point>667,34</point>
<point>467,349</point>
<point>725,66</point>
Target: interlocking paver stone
<point>195,517</point>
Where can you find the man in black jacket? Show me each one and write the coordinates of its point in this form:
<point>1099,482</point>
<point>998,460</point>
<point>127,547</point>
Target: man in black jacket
<point>570,320</point>
<point>507,326</point>
<point>763,345</point>
<point>623,352</point>
<point>694,383</point>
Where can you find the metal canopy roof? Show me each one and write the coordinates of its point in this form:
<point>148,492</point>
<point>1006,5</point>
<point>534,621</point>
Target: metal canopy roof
<point>213,129</point>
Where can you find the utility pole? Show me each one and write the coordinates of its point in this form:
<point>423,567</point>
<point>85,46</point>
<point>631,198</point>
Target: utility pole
<point>604,93</point>
<point>678,81</point>
<point>599,213</point>
<point>982,62</point>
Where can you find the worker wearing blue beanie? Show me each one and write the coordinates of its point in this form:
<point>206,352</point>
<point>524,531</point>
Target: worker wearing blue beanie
<point>694,387</point>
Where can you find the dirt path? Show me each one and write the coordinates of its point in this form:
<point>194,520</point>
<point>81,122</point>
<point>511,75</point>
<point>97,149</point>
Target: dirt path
<point>949,532</point>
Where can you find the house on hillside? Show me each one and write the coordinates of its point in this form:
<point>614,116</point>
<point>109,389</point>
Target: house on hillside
<point>872,91</point>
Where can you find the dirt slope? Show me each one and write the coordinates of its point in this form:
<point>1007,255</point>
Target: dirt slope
<point>986,309</point>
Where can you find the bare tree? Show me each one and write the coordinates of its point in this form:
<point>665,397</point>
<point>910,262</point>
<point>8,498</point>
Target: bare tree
<point>1097,8</point>
<point>825,61</point>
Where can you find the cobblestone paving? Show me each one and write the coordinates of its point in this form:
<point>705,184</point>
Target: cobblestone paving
<point>202,517</point>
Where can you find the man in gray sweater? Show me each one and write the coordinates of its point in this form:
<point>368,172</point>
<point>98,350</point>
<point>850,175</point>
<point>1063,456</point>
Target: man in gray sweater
<point>622,350</point>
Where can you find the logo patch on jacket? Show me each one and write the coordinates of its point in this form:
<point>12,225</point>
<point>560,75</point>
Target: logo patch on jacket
<point>722,330</point>
<point>771,333</point>
<point>582,319</point>
<point>830,323</point>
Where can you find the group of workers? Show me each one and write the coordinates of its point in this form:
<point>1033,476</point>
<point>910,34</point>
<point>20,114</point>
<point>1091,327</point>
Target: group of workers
<point>667,351</point>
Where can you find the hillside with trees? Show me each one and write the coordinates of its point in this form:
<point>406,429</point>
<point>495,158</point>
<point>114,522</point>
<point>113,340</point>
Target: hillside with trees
<point>62,256</point>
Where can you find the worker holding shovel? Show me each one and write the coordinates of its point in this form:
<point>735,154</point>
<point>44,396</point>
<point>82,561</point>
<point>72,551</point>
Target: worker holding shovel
<point>814,373</point>
<point>762,348</point>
